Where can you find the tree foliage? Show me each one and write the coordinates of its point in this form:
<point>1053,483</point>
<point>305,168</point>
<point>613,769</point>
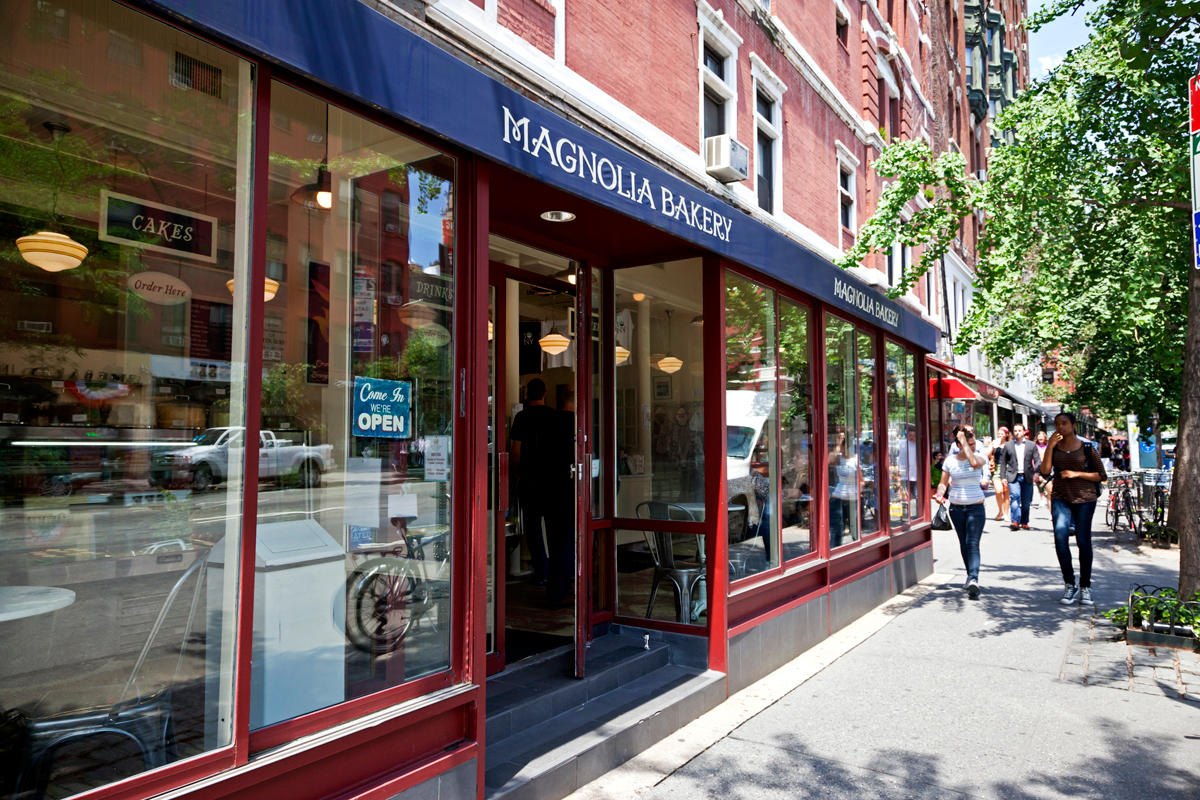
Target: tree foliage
<point>1085,245</point>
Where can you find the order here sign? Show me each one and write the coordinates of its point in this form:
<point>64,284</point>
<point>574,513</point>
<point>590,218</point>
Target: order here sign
<point>381,408</point>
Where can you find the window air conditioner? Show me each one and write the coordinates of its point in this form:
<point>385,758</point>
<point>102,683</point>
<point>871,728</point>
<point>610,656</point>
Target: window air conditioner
<point>981,174</point>
<point>726,159</point>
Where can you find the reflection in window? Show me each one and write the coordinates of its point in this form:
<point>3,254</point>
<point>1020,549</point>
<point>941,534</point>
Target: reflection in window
<point>117,506</point>
<point>842,431</point>
<point>357,411</point>
<point>904,462</point>
<point>795,425</point>
<point>868,450</point>
<point>751,468</point>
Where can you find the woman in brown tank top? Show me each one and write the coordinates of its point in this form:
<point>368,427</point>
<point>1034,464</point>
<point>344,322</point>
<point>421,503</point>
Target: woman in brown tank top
<point>1077,471</point>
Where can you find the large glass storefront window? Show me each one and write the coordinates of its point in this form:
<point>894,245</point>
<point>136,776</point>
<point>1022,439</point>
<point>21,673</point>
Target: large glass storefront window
<point>352,577</point>
<point>904,460</point>
<point>842,434</point>
<point>796,427</point>
<point>124,166</point>
<point>751,417</point>
<point>868,431</point>
<point>659,433</point>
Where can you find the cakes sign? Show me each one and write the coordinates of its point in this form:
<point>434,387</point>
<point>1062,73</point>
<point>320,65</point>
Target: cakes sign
<point>152,226</point>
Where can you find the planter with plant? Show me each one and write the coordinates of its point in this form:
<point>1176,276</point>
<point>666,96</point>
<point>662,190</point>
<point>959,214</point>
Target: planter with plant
<point>1156,616</point>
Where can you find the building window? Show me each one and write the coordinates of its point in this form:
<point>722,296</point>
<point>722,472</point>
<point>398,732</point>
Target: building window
<point>904,463</point>
<point>843,31</point>
<point>719,45</point>
<point>847,191</point>
<point>852,455</point>
<point>765,174</point>
<point>971,65</point>
<point>1047,376</point>
<point>768,133</point>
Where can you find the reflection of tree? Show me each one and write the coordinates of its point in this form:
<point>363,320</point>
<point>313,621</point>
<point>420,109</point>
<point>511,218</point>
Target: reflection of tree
<point>749,313</point>
<point>425,361</point>
<point>794,362</point>
<point>430,187</point>
<point>284,394</point>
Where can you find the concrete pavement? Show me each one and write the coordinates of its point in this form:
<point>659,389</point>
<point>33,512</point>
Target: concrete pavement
<point>949,697</point>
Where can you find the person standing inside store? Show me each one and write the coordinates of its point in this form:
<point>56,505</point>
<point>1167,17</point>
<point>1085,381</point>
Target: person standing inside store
<point>964,479</point>
<point>1003,437</point>
<point>560,525</point>
<point>532,451</point>
<point>1017,463</point>
<point>1077,473</point>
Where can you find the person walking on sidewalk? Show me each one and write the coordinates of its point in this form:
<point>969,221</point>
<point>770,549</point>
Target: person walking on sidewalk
<point>1078,472</point>
<point>1003,437</point>
<point>965,474</point>
<point>1042,486</point>
<point>1017,463</point>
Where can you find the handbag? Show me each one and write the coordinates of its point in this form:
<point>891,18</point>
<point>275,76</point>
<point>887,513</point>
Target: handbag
<point>941,519</point>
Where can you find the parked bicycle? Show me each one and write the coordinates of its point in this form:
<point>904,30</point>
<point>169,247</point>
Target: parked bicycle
<point>394,587</point>
<point>1156,495</point>
<point>1122,503</point>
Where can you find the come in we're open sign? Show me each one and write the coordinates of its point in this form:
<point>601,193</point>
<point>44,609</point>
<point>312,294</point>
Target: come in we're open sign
<point>381,408</point>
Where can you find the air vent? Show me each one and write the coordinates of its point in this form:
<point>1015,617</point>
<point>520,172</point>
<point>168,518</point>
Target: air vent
<point>35,327</point>
<point>192,73</point>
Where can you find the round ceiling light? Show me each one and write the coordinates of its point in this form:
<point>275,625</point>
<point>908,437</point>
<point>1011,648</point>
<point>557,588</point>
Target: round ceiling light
<point>554,342</point>
<point>669,364</point>
<point>557,216</point>
<point>53,252</point>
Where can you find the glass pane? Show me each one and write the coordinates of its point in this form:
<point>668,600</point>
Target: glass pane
<point>600,384</point>
<point>868,452</point>
<point>916,504</point>
<point>796,425</point>
<point>659,386</point>
<point>357,414</point>
<point>649,564</point>
<point>120,345</point>
<point>751,467</point>
<point>493,473</point>
<point>904,466</point>
<point>841,431</point>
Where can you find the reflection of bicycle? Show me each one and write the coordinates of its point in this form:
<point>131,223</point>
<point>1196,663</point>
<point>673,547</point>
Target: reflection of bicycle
<point>387,594</point>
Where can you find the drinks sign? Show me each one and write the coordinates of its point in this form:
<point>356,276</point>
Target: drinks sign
<point>381,408</point>
<point>153,226</point>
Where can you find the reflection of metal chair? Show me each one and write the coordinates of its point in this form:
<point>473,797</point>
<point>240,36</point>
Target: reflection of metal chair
<point>145,721</point>
<point>683,576</point>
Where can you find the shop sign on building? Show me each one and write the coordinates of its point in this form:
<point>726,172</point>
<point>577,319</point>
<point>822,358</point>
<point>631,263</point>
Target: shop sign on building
<point>153,226</point>
<point>159,288</point>
<point>381,408</point>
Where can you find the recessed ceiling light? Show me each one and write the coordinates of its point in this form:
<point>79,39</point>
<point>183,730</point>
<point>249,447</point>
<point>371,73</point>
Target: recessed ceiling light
<point>557,216</point>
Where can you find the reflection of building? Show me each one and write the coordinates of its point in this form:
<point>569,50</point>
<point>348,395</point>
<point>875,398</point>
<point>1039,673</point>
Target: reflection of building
<point>293,460</point>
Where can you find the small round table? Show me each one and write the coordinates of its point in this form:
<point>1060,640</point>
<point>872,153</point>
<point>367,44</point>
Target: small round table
<point>28,601</point>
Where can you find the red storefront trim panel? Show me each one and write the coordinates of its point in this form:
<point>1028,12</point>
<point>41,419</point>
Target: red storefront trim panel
<point>430,769</point>
<point>809,587</point>
<point>716,546</point>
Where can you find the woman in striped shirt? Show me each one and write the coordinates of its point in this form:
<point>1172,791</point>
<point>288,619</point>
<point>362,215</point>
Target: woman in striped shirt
<point>965,474</point>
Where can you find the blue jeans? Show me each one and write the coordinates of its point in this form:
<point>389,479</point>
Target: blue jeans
<point>968,524</point>
<point>1080,514</point>
<point>1021,495</point>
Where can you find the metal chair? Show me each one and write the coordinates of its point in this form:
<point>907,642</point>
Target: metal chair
<point>146,721</point>
<point>683,576</point>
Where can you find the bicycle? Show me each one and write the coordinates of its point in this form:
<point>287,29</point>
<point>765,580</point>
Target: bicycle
<point>1121,502</point>
<point>388,595</point>
<point>1156,484</point>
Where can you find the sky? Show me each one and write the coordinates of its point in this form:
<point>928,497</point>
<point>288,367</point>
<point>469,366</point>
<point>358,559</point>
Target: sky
<point>1048,46</point>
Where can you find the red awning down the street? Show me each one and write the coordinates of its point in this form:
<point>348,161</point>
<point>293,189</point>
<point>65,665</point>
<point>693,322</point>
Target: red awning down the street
<point>951,389</point>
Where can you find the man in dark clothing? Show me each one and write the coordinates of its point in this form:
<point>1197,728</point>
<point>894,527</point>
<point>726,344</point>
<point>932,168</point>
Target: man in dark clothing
<point>560,525</point>
<point>1017,463</point>
<point>534,430</point>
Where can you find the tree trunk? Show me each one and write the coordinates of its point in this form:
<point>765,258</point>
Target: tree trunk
<point>1184,514</point>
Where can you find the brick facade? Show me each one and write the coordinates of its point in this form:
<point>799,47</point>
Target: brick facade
<point>532,20</point>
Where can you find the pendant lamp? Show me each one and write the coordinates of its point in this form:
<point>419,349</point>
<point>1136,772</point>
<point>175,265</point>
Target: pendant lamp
<point>669,363</point>
<point>51,250</point>
<point>269,291</point>
<point>621,355</point>
<point>318,195</point>
<point>554,342</point>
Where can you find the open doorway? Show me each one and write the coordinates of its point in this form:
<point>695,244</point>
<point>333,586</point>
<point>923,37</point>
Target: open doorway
<point>532,449</point>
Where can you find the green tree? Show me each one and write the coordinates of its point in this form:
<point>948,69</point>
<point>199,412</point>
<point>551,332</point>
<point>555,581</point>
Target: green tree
<point>1085,247</point>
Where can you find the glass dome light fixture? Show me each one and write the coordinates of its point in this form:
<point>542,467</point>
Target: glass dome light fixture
<point>557,216</point>
<point>269,290</point>
<point>669,363</point>
<point>620,355</point>
<point>554,342</point>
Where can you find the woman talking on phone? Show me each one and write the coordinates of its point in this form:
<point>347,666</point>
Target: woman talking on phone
<point>965,474</point>
<point>1078,472</point>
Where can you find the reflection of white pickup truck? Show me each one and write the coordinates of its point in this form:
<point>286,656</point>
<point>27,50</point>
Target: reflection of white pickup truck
<point>206,461</point>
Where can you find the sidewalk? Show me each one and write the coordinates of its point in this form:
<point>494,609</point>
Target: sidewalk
<point>935,695</point>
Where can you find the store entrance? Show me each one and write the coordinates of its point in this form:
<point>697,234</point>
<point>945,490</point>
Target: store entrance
<point>533,445</point>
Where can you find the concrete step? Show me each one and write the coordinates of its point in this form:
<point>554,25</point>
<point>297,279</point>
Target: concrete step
<point>549,760</point>
<point>537,689</point>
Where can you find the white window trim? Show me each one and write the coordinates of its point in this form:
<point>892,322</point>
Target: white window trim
<point>766,82</point>
<point>717,34</point>
<point>847,165</point>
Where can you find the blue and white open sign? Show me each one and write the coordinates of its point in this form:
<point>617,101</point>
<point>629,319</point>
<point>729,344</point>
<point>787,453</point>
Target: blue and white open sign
<point>381,408</point>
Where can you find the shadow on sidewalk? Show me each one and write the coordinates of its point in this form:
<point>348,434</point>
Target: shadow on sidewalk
<point>1131,767</point>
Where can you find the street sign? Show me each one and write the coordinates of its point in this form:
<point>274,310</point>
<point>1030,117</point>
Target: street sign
<point>1194,94</point>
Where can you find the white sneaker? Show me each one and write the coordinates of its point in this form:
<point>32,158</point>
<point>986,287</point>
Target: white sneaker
<point>1085,597</point>
<point>1070,594</point>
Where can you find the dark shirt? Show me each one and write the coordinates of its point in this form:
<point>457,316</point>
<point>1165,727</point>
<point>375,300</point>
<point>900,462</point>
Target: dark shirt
<point>536,428</point>
<point>1076,490</point>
